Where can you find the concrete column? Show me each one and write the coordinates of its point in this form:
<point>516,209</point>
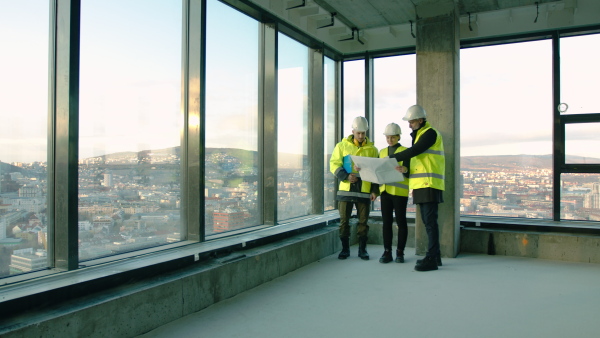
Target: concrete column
<point>438,91</point>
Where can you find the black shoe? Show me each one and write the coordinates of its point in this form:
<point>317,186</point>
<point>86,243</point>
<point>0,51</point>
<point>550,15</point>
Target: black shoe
<point>386,257</point>
<point>399,256</point>
<point>362,249</point>
<point>345,253</point>
<point>438,261</point>
<point>426,264</point>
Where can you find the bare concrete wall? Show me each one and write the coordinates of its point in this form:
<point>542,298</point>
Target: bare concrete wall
<point>554,246</point>
<point>133,309</point>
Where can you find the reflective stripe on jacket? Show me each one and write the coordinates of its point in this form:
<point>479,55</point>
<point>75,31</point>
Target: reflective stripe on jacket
<point>347,147</point>
<point>396,188</point>
<point>427,169</point>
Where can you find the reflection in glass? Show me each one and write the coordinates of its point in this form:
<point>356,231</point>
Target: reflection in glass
<point>580,197</point>
<point>231,166</point>
<point>293,177</point>
<point>506,162</point>
<point>395,89</point>
<point>130,122</point>
<point>582,143</point>
<point>579,71</point>
<point>354,93</point>
<point>23,136</point>
<point>329,134</point>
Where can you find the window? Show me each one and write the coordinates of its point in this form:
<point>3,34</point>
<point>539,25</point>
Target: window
<point>579,71</point>
<point>582,143</point>
<point>23,136</point>
<point>580,197</point>
<point>395,89</point>
<point>329,130</point>
<point>231,166</point>
<point>130,125</point>
<point>354,93</point>
<point>294,195</point>
<point>579,114</point>
<point>506,130</point>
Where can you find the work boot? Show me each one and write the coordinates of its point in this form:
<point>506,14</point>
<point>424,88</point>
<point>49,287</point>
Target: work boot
<point>386,257</point>
<point>345,253</point>
<point>427,264</point>
<point>362,248</point>
<point>399,256</point>
<point>438,260</point>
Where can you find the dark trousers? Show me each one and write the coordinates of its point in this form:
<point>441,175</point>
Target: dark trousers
<point>429,216</point>
<point>390,205</point>
<point>362,209</point>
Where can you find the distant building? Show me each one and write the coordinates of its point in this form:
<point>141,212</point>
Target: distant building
<point>227,220</point>
<point>108,180</point>
<point>26,260</point>
<point>490,192</point>
<point>592,199</point>
<point>29,191</point>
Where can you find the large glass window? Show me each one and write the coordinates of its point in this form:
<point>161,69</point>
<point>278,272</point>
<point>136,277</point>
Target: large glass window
<point>354,93</point>
<point>580,197</point>
<point>582,143</point>
<point>23,136</point>
<point>232,168</point>
<point>394,90</point>
<point>579,72</point>
<point>329,134</point>
<point>506,130</point>
<point>293,176</point>
<point>130,124</point>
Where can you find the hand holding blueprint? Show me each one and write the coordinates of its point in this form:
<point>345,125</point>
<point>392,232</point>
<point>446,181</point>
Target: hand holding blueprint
<point>378,170</point>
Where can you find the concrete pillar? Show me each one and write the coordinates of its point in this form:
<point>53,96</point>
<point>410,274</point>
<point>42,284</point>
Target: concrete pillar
<point>438,91</point>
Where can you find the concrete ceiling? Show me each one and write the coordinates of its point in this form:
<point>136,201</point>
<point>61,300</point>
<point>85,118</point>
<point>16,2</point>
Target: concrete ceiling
<point>367,14</point>
<point>372,25</point>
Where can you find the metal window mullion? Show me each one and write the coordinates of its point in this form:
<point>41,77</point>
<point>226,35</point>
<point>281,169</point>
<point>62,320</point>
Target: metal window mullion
<point>558,130</point>
<point>268,120</point>
<point>316,129</point>
<point>369,104</point>
<point>193,105</point>
<point>339,130</point>
<point>64,135</point>
<point>339,113</point>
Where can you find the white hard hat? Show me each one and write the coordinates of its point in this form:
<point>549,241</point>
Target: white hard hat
<point>360,124</point>
<point>392,129</point>
<point>414,112</point>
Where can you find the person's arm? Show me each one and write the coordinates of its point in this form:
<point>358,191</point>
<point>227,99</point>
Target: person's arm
<point>425,142</point>
<point>336,165</point>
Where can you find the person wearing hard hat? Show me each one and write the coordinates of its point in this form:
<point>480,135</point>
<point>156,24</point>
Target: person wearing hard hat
<point>427,174</point>
<point>394,198</point>
<point>352,190</point>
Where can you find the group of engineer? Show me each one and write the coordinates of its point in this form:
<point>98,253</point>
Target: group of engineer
<point>423,166</point>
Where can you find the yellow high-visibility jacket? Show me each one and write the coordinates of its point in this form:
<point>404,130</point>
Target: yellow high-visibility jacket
<point>396,188</point>
<point>357,191</point>
<point>428,169</point>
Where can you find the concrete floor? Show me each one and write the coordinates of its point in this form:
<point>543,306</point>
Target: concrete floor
<point>470,296</point>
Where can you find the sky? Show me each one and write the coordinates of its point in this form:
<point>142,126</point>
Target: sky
<point>130,97</point>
